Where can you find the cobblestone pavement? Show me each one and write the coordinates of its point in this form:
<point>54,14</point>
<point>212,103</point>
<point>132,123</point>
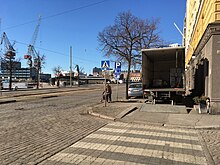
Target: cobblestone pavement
<point>123,143</point>
<point>212,140</point>
<point>35,130</point>
<point>209,138</point>
<point>57,131</point>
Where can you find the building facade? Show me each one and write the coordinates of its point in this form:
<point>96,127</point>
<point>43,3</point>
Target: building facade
<point>135,76</point>
<point>202,43</point>
<point>97,72</point>
<point>20,73</point>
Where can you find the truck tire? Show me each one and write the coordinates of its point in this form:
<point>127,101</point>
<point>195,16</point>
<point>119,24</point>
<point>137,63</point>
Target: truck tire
<point>16,88</point>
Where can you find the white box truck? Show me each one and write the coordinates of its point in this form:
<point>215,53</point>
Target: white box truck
<point>163,73</point>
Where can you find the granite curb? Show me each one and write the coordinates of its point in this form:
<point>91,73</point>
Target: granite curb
<point>133,108</point>
<point>49,94</point>
<point>116,118</point>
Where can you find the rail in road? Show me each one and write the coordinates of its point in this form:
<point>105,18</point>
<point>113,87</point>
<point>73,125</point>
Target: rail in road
<point>10,96</point>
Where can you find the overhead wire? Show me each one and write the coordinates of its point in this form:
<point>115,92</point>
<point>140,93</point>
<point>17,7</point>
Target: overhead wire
<point>55,15</point>
<point>48,50</point>
<point>48,17</point>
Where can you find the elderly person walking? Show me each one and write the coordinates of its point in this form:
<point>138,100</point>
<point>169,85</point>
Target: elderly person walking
<point>109,93</point>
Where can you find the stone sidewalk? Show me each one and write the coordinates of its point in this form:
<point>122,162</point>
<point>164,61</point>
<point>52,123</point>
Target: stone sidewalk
<point>134,144</point>
<point>167,117</point>
<point>159,114</point>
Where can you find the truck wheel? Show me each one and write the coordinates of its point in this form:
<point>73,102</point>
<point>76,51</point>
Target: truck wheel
<point>16,88</point>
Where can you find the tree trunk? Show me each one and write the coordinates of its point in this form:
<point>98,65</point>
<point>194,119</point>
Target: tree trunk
<point>78,80</point>
<point>128,78</point>
<point>38,77</point>
<point>10,74</point>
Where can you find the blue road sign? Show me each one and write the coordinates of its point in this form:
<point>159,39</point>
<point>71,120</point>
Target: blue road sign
<point>117,75</point>
<point>117,65</point>
<point>105,64</point>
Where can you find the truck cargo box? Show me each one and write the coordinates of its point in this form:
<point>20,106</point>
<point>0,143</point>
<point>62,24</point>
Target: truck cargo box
<point>163,71</point>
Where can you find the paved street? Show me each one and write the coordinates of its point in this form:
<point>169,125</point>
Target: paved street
<point>57,130</point>
<point>34,130</point>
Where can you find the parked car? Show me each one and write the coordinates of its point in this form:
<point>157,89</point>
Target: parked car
<point>135,90</point>
<point>120,81</point>
<point>14,85</point>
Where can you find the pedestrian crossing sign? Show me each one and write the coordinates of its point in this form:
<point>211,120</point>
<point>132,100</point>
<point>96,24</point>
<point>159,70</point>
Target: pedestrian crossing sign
<point>105,64</point>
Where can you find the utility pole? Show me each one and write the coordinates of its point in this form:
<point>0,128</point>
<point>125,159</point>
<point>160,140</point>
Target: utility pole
<point>105,90</point>
<point>70,66</point>
<point>77,69</point>
<point>0,26</point>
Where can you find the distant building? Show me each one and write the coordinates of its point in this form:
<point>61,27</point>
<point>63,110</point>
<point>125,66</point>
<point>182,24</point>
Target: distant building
<point>45,77</point>
<point>21,73</point>
<point>123,75</point>
<point>97,72</point>
<point>135,76</point>
<point>15,65</point>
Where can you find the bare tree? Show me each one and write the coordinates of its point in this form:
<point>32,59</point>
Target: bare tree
<point>58,73</point>
<point>8,58</point>
<point>39,62</point>
<point>125,39</point>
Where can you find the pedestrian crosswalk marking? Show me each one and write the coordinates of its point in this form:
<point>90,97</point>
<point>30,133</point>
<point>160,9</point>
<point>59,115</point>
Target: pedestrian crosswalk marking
<point>171,135</point>
<point>131,151</point>
<point>125,126</point>
<point>147,141</point>
<point>110,145</point>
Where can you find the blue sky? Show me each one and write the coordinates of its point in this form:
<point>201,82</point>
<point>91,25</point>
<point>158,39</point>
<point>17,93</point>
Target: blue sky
<point>77,23</point>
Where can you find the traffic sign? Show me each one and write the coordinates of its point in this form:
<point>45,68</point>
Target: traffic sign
<point>117,65</point>
<point>117,75</point>
<point>105,64</point>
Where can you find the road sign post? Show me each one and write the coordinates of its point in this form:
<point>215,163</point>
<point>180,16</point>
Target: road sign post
<point>117,75</point>
<point>105,65</point>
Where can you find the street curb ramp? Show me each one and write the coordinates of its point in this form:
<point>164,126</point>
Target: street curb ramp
<point>126,112</point>
<point>117,118</point>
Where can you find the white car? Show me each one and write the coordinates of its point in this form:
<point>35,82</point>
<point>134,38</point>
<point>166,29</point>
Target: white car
<point>135,90</point>
<point>120,81</point>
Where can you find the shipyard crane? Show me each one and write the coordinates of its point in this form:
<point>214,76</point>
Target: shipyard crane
<point>32,54</point>
<point>9,56</point>
<point>10,51</point>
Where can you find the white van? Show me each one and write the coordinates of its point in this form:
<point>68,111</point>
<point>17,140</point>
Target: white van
<point>14,85</point>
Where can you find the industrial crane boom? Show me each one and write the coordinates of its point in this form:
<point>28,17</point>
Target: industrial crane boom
<point>34,37</point>
<point>10,53</point>
<point>31,50</point>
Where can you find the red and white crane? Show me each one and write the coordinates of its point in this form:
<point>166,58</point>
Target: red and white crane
<point>32,53</point>
<point>10,51</point>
